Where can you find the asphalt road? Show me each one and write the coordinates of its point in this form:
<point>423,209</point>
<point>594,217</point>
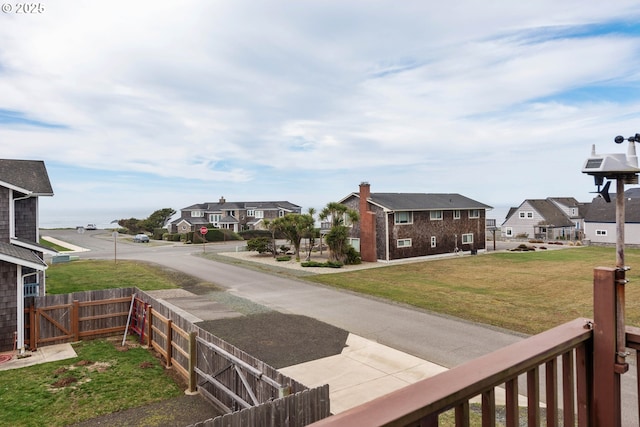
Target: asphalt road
<point>439,339</point>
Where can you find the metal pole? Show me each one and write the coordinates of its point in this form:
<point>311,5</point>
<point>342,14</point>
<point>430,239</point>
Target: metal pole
<point>621,348</point>
<point>620,218</point>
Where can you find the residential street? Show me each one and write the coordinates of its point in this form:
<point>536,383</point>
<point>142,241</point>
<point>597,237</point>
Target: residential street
<point>442,340</point>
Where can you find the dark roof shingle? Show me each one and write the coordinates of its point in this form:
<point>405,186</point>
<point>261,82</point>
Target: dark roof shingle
<point>27,175</point>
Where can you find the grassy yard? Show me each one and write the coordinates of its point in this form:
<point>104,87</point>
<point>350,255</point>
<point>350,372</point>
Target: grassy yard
<point>84,275</point>
<point>527,292</point>
<point>101,380</point>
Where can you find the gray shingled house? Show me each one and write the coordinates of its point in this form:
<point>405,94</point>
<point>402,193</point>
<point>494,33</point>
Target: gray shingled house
<point>547,219</point>
<point>600,220</point>
<point>395,226</point>
<point>235,216</point>
<point>22,265</point>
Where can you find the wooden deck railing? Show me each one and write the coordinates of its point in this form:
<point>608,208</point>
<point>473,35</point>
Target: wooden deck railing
<point>562,349</point>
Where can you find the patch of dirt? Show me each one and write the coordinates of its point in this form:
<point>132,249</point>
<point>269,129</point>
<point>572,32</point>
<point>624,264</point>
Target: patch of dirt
<point>99,367</point>
<point>63,382</point>
<point>145,365</point>
<point>83,363</point>
<point>279,339</point>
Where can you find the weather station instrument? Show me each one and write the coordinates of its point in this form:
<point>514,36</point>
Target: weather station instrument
<point>623,168</point>
<point>612,166</point>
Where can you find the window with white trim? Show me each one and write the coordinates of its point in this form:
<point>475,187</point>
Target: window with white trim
<point>251,212</point>
<point>474,213</point>
<point>456,214</point>
<point>281,213</point>
<point>526,214</point>
<point>214,218</point>
<point>259,214</point>
<point>601,232</point>
<point>467,239</point>
<point>403,243</point>
<point>435,215</point>
<point>197,214</point>
<point>403,217</point>
<point>433,241</point>
<point>508,231</point>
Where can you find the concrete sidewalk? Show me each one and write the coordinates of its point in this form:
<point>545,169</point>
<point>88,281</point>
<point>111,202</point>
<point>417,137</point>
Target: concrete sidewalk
<point>366,370</point>
<point>50,353</point>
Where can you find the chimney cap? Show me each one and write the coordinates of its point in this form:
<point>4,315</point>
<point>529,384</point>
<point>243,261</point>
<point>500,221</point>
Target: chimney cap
<point>364,183</point>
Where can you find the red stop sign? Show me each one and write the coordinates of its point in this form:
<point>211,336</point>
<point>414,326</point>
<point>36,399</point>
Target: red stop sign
<point>203,230</point>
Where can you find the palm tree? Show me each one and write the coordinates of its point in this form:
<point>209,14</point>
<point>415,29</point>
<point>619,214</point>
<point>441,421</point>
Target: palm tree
<point>340,217</point>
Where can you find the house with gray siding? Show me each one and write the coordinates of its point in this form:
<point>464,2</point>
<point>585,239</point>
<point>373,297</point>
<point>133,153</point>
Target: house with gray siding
<point>22,266</point>
<point>234,216</point>
<point>600,220</point>
<point>397,226</point>
<point>552,218</point>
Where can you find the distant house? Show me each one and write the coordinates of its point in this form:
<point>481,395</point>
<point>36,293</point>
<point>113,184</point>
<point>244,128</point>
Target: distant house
<point>547,219</point>
<point>396,226</point>
<point>22,265</point>
<point>600,220</point>
<point>235,216</point>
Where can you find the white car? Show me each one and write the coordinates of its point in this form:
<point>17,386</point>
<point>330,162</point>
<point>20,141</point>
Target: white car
<point>141,238</point>
<point>91,227</point>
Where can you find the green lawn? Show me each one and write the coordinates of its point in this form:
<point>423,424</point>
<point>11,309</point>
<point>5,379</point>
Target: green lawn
<point>99,381</point>
<point>84,275</point>
<point>527,292</point>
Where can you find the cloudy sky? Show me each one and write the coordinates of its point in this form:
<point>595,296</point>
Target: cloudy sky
<point>137,106</point>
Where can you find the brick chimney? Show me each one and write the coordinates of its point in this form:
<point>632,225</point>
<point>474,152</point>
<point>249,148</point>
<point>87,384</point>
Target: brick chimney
<point>367,226</point>
<point>222,201</point>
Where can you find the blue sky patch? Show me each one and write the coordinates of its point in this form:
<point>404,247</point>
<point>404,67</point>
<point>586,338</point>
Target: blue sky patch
<point>10,117</point>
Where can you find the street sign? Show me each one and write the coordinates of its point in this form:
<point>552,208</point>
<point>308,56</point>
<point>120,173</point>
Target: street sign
<point>203,230</point>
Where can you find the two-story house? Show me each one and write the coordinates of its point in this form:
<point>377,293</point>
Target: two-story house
<point>405,225</point>
<point>21,257</point>
<point>235,216</point>
<point>547,219</point>
<point>600,221</point>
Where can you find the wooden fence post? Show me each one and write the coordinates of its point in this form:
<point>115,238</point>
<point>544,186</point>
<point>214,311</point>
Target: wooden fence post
<point>606,375</point>
<point>192,363</point>
<point>168,348</point>
<point>75,320</point>
<point>33,329</point>
<point>149,326</point>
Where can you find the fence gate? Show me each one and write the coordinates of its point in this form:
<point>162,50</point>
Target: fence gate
<point>54,322</point>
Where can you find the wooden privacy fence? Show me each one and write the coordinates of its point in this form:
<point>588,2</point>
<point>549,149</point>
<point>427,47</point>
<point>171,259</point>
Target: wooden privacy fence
<point>243,386</point>
<point>54,319</point>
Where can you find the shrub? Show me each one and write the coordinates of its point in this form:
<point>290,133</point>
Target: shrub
<point>284,249</point>
<point>284,258</point>
<point>523,248</point>
<point>173,237</point>
<point>260,245</point>
<point>352,257</point>
<point>159,233</point>
<point>329,264</point>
